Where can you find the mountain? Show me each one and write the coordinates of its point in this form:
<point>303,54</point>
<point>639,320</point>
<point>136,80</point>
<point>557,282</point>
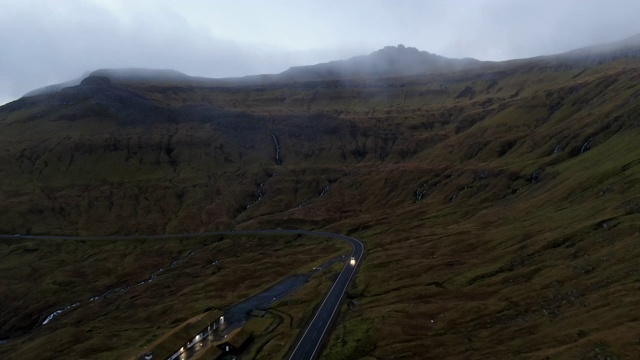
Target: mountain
<point>130,75</point>
<point>54,87</point>
<point>629,47</point>
<point>499,204</point>
<point>142,75</point>
<point>389,61</point>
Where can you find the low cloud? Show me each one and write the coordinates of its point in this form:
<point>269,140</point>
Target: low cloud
<point>47,41</point>
<point>63,40</point>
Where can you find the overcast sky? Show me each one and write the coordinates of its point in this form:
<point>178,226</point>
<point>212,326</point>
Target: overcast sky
<point>49,41</point>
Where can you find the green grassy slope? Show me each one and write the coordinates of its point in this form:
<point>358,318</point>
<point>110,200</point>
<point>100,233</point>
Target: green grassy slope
<point>499,206</point>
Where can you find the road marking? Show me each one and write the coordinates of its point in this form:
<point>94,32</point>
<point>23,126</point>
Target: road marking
<point>329,294</point>
<point>341,296</point>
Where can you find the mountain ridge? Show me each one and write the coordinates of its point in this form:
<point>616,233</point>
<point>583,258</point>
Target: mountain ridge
<point>390,61</point>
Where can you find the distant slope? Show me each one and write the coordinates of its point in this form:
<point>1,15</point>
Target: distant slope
<point>94,97</point>
<point>54,87</point>
<point>630,46</point>
<point>143,75</point>
<point>586,56</point>
<point>130,75</point>
<point>391,61</point>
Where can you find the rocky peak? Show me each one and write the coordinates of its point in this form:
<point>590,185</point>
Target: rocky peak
<point>96,81</point>
<point>399,50</point>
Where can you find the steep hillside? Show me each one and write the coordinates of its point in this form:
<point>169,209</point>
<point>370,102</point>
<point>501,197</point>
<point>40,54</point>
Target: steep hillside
<point>499,205</point>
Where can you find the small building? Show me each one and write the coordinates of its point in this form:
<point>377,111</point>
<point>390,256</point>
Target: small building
<point>172,344</point>
<point>235,342</point>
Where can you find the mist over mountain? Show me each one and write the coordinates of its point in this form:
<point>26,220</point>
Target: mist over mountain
<point>389,61</point>
<point>141,75</point>
<point>629,45</point>
<point>54,87</point>
<point>125,75</point>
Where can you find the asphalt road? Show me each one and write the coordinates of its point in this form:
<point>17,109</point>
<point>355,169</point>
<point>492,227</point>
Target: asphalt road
<point>308,345</point>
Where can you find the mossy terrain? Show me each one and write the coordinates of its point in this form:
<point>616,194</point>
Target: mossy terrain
<point>199,275</point>
<point>276,332</point>
<point>499,206</point>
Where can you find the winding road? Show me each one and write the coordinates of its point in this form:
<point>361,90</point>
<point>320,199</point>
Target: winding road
<point>309,343</point>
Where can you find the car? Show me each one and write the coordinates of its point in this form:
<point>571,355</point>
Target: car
<point>352,261</point>
<point>17,235</point>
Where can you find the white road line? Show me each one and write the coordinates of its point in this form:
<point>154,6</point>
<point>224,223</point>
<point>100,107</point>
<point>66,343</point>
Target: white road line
<point>339,301</point>
<point>320,308</point>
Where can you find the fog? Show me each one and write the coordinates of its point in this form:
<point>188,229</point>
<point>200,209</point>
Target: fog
<point>48,41</point>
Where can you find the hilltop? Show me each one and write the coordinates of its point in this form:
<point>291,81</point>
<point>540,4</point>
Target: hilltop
<point>389,61</point>
<point>499,202</point>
